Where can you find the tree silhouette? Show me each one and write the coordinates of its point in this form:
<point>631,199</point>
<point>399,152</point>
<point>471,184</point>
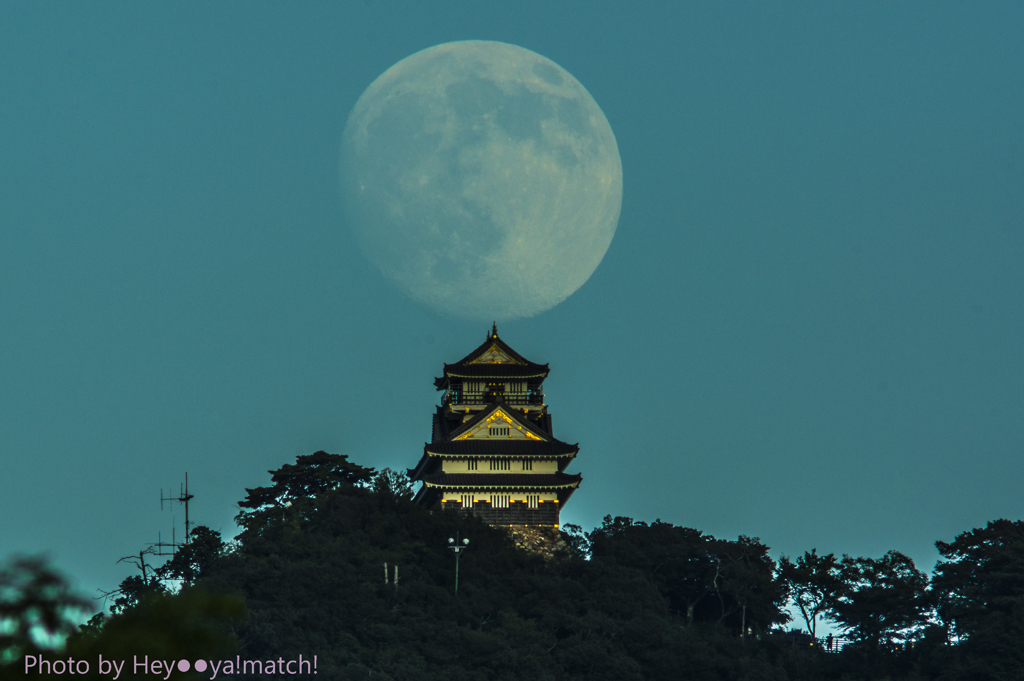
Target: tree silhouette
<point>192,559</point>
<point>814,583</point>
<point>882,601</point>
<point>38,608</point>
<point>392,483</point>
<point>979,589</point>
<point>299,483</point>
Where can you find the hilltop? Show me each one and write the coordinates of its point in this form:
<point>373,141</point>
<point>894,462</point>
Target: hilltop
<point>313,573</point>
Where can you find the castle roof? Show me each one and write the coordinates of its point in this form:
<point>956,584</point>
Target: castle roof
<point>435,485</point>
<point>494,358</point>
<point>502,447</point>
<point>522,481</point>
<point>471,440</point>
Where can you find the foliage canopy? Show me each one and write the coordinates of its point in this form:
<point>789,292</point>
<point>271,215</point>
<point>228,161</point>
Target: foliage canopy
<point>334,560</point>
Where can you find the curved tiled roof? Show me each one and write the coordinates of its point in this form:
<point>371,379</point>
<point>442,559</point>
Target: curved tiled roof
<point>467,368</point>
<point>504,447</point>
<point>495,370</point>
<point>503,480</point>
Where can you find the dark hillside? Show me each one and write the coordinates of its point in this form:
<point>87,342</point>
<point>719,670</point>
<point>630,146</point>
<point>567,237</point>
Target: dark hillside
<point>312,575</point>
<point>627,601</point>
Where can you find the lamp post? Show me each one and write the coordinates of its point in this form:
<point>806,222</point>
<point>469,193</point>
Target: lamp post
<point>457,548</point>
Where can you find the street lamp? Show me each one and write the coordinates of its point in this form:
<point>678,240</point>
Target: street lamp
<point>457,548</point>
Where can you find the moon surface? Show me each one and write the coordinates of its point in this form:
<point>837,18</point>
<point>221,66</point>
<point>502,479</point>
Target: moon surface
<point>482,179</point>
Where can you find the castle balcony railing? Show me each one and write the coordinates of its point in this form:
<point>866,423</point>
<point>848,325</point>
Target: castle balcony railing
<point>518,399</point>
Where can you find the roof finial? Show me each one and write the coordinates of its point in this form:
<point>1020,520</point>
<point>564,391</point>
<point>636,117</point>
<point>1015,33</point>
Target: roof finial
<point>494,330</point>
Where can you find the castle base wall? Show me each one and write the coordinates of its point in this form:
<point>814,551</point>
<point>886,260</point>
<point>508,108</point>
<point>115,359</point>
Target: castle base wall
<point>546,542</point>
<point>517,513</point>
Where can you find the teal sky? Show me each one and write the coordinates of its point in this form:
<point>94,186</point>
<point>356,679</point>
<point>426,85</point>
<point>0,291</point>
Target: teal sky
<point>808,327</point>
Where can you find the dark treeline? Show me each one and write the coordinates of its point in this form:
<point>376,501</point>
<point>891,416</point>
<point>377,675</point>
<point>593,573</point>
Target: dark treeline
<point>628,600</point>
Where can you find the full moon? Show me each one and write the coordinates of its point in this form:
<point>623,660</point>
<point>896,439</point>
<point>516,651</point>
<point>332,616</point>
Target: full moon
<point>482,179</point>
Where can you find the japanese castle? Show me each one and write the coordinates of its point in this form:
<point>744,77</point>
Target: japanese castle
<point>492,451</point>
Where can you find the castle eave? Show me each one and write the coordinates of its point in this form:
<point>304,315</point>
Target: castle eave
<point>503,447</point>
<point>476,481</point>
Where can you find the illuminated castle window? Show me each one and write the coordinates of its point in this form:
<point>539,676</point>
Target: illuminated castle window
<point>501,464</point>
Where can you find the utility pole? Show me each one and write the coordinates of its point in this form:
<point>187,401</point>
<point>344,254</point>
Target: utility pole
<point>396,577</point>
<point>457,548</point>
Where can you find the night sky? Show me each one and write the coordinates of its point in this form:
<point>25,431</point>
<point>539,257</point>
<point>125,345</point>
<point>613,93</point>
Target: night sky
<point>808,327</point>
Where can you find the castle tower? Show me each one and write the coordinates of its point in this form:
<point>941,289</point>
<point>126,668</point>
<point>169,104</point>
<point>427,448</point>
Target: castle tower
<point>492,451</point>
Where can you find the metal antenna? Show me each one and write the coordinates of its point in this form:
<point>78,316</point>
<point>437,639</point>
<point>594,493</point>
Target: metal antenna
<point>160,545</point>
<point>183,498</point>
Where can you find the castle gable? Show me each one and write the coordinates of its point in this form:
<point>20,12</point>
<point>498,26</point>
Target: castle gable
<point>495,355</point>
<point>500,423</point>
